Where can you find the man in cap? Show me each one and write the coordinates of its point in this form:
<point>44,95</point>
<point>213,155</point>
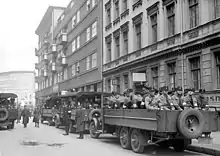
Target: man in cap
<point>80,121</point>
<point>149,99</point>
<point>165,101</point>
<point>190,99</point>
<point>178,98</point>
<point>202,99</point>
<point>66,118</point>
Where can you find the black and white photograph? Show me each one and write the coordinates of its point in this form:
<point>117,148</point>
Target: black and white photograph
<point>110,78</point>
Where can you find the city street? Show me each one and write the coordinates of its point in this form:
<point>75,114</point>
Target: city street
<point>45,141</point>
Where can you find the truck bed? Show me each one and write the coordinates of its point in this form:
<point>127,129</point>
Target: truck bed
<point>155,120</point>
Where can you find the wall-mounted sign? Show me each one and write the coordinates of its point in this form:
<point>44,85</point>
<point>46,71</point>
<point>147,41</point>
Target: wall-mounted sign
<point>139,77</point>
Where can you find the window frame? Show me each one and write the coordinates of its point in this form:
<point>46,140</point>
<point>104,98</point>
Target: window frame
<point>125,42</point>
<point>117,10</point>
<point>171,70</point>
<point>78,42</point>
<point>94,29</point>
<point>194,18</point>
<point>78,16</point>
<point>74,45</point>
<point>108,14</point>
<point>88,34</point>
<point>117,47</point>
<point>94,60</point>
<point>154,20</point>
<point>88,63</point>
<point>196,70</point>
<point>88,5</point>
<point>217,61</point>
<point>109,51</point>
<point>73,70</point>
<point>155,77</point>
<point>138,33</point>
<point>171,19</point>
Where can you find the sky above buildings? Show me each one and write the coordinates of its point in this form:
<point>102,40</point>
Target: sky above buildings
<point>19,20</point>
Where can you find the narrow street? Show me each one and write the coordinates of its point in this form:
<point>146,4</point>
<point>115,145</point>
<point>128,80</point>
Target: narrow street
<point>45,141</point>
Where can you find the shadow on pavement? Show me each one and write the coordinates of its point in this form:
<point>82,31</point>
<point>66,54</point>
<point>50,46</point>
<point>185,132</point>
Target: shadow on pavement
<point>150,150</point>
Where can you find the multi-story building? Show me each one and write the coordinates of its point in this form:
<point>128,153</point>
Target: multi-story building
<point>45,66</point>
<point>79,46</point>
<point>165,42</point>
<point>70,55</point>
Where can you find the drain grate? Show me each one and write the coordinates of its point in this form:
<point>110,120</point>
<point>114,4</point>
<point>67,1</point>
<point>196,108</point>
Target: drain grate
<point>36,143</point>
<point>55,145</point>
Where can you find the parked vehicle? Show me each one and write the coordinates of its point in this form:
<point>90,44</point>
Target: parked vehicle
<point>137,128</point>
<point>8,110</point>
<point>47,111</point>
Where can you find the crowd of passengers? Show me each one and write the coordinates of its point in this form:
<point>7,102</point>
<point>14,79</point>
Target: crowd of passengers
<point>161,99</point>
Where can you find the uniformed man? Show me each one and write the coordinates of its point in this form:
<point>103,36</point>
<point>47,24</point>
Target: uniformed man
<point>178,98</point>
<point>190,99</point>
<point>149,99</point>
<point>80,122</point>
<point>165,101</point>
<point>66,118</point>
<point>202,100</point>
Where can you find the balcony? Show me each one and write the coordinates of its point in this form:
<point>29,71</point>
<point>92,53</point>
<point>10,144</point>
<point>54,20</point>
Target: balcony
<point>54,48</point>
<point>37,65</point>
<point>63,38</point>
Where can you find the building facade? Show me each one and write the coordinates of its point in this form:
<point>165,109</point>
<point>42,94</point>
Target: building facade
<point>73,51</point>
<point>21,83</point>
<point>45,67</point>
<point>162,42</point>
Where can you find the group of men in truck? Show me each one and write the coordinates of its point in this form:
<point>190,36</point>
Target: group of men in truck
<point>162,99</point>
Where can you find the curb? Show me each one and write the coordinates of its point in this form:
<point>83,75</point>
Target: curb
<point>204,150</point>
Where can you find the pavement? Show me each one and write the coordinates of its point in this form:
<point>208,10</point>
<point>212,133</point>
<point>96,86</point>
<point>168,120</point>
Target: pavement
<point>46,140</point>
<point>212,148</point>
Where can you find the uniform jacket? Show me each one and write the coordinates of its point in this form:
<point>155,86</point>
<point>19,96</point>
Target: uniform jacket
<point>165,100</point>
<point>37,115</point>
<point>190,101</point>
<point>177,100</point>
<point>202,101</point>
<point>26,115</point>
<point>80,120</point>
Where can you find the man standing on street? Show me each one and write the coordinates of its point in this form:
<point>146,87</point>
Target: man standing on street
<point>66,118</point>
<point>80,122</point>
<point>26,115</point>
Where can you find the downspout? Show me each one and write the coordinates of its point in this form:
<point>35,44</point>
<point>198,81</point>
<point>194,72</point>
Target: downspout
<point>181,42</point>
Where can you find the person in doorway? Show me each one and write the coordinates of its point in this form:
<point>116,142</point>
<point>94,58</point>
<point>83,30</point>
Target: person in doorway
<point>80,122</point>
<point>36,114</point>
<point>25,116</point>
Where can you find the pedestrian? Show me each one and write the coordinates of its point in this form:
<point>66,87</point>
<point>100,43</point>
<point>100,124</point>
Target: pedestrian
<point>19,115</point>
<point>80,122</point>
<point>25,115</point>
<point>37,114</point>
<point>66,119</point>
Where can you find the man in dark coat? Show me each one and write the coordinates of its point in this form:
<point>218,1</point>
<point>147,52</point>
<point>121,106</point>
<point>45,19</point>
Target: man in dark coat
<point>80,122</point>
<point>26,115</point>
<point>66,119</point>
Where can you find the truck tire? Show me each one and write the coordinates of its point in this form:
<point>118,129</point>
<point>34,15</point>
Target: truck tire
<point>6,114</point>
<point>136,144</point>
<point>125,138</point>
<point>93,128</point>
<point>190,123</point>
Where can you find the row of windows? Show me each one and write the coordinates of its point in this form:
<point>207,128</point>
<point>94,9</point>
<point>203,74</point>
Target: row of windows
<point>90,33</point>
<point>194,69</point>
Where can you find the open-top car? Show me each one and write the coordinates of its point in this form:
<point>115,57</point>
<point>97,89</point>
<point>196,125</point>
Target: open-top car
<point>8,110</point>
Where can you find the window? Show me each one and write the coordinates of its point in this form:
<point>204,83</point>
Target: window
<point>72,4</point>
<point>194,13</point>
<point>125,38</point>
<point>73,21</point>
<point>116,9</point>
<point>172,74</point>
<point>94,60</point>
<point>126,81</point>
<point>73,70</point>
<point>65,74</point>
<point>73,45</point>
<point>217,8</point>
<point>109,52</point>
<point>94,29</point>
<point>171,19</point>
<point>88,34</point>
<point>117,84</point>
<point>78,16</point>
<point>108,16</point>
<point>125,4</point>
<point>93,3</point>
<point>78,42</point>
<point>138,36</point>
<point>117,47</point>
<point>77,67</point>
<point>195,72</point>
<point>87,62</point>
<point>218,69</point>
<point>155,77</point>
<point>154,27</point>
<point>88,5</point>
<point>109,85</point>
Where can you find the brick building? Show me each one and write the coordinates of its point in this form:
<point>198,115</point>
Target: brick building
<point>170,42</point>
<point>73,49</point>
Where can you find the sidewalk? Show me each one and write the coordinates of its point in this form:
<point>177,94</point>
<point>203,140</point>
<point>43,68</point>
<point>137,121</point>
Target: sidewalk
<point>213,148</point>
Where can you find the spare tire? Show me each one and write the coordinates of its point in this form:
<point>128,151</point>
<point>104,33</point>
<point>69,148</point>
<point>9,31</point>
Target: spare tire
<point>98,111</point>
<point>190,123</point>
<point>5,113</point>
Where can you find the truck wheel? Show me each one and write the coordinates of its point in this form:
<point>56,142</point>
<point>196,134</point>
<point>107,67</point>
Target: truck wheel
<point>3,114</point>
<point>125,138</point>
<point>136,145</point>
<point>180,145</point>
<point>93,129</point>
<point>190,123</point>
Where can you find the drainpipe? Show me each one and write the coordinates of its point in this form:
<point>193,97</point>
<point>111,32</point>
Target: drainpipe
<point>181,42</point>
